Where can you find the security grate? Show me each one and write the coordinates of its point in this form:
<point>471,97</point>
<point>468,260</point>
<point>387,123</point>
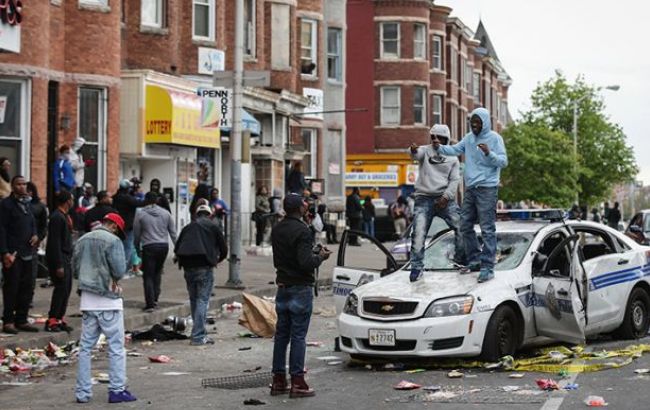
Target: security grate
<point>248,381</point>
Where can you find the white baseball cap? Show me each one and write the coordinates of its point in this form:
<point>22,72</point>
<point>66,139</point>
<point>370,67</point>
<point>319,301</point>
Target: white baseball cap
<point>441,130</point>
<point>203,208</point>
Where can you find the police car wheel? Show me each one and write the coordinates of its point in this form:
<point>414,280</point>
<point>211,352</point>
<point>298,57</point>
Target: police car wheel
<point>637,318</point>
<point>502,335</point>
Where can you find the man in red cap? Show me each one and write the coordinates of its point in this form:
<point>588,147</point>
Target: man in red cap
<point>98,263</point>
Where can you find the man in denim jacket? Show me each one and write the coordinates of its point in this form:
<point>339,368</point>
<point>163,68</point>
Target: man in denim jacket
<point>98,263</point>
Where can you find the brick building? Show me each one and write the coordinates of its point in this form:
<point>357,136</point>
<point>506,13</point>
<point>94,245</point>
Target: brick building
<point>424,67</point>
<point>55,85</point>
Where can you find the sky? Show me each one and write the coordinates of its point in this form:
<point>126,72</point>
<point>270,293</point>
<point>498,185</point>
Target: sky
<point>605,41</point>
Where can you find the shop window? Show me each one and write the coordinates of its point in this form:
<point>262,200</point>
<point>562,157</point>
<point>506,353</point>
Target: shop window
<point>249,27</point>
<point>13,123</point>
<point>419,105</point>
<point>308,46</point>
<point>437,109</point>
<point>436,53</point>
<point>309,146</point>
<point>203,19</point>
<point>92,128</point>
<point>390,106</point>
<point>419,41</point>
<point>152,13</point>
<point>334,54</point>
<point>390,40</point>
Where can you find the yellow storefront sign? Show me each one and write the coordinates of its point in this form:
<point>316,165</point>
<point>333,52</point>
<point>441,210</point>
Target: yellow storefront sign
<point>175,118</point>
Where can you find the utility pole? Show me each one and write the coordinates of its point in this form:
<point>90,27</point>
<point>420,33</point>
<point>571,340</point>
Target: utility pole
<point>235,151</point>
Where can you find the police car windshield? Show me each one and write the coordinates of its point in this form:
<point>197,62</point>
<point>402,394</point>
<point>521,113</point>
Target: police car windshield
<point>511,248</point>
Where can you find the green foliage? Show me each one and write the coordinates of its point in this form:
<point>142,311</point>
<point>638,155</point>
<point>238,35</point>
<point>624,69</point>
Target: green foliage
<point>540,165</point>
<point>604,158</point>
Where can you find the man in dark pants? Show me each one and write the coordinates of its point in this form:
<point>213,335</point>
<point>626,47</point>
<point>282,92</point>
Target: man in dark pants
<point>200,247</point>
<point>151,226</point>
<point>39,210</point>
<point>18,238</point>
<point>354,212</point>
<point>295,262</point>
<point>58,254</point>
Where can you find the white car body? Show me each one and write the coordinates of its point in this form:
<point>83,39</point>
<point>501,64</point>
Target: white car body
<point>546,305</point>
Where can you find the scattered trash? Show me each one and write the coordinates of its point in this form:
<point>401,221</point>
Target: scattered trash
<point>147,343</point>
<point>455,374</point>
<point>439,395</point>
<point>335,362</point>
<point>315,344</point>
<point>253,370</point>
<point>161,358</point>
<point>159,334</point>
<point>563,374</point>
<point>557,356</point>
<point>325,311</point>
<point>134,354</point>
<point>528,392</point>
<point>595,401</point>
<point>413,371</point>
<point>571,386</point>
<point>178,324</point>
<point>175,373</point>
<point>406,385</point>
<point>16,383</point>
<point>547,384</point>
<point>211,320</point>
<point>510,388</point>
<point>516,375</point>
<point>328,358</point>
<point>144,368</point>
<point>253,402</point>
<point>257,315</point>
<point>269,298</point>
<point>229,308</point>
<point>431,388</point>
<point>642,371</point>
<point>393,366</point>
<point>241,349</point>
<point>471,376</point>
<point>102,377</point>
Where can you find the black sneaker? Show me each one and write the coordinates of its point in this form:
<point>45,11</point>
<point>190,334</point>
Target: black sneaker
<point>26,327</point>
<point>65,327</point>
<point>52,325</point>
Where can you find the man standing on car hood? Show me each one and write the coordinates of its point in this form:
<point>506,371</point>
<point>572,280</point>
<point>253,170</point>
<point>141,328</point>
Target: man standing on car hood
<point>435,195</point>
<point>485,155</point>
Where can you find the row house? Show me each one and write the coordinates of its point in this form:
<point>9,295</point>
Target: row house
<point>424,67</point>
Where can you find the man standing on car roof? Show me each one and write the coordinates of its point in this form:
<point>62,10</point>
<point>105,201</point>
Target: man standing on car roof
<point>485,155</point>
<point>435,195</point>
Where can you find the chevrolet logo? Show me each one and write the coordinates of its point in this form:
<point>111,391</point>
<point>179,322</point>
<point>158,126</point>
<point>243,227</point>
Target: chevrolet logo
<point>387,308</point>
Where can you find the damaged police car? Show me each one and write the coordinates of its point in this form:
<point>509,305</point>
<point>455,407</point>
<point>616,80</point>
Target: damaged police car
<point>564,280</point>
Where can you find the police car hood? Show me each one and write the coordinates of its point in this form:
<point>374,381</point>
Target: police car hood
<point>433,285</point>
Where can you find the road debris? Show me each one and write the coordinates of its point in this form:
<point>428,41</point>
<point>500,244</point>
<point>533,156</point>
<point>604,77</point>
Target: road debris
<point>406,385</point>
<point>327,358</point>
<point>335,362</point>
<point>642,371</point>
<point>516,375</point>
<point>101,377</point>
<point>432,388</point>
<point>455,374</point>
<point>509,389</point>
<point>439,395</point>
<point>571,386</point>
<point>413,371</point>
<point>253,402</point>
<point>161,358</point>
<point>547,384</point>
<point>257,315</point>
<point>253,370</point>
<point>315,344</point>
<point>241,349</point>
<point>158,333</point>
<point>595,401</point>
<point>175,373</point>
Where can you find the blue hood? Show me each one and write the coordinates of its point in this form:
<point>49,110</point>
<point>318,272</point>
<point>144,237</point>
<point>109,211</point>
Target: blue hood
<point>484,115</point>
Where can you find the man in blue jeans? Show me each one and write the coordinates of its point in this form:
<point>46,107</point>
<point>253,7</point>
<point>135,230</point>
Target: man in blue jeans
<point>485,155</point>
<point>200,247</point>
<point>435,195</point>
<point>295,260</point>
<point>98,263</point>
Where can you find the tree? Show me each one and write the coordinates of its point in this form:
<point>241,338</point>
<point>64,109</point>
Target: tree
<point>540,165</point>
<point>604,157</point>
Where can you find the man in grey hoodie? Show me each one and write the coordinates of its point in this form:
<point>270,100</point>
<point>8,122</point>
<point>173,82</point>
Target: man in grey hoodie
<point>435,195</point>
<point>151,226</point>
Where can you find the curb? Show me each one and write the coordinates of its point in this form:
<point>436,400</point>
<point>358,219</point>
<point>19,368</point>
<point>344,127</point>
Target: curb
<point>142,320</point>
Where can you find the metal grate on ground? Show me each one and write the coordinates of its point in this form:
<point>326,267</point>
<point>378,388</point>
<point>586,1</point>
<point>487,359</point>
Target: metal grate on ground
<point>248,381</point>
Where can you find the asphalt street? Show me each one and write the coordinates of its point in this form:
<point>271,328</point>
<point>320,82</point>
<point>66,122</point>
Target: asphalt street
<point>177,384</point>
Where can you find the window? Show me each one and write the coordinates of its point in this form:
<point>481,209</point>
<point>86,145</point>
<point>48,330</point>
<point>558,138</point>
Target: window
<point>468,77</point>
<point>308,46</point>
<point>390,40</point>
<point>334,53</point>
<point>203,19</point>
<point>453,63</point>
<point>249,27</point>
<point>309,145</point>
<point>594,244</point>
<point>390,105</point>
<point>419,41</point>
<point>462,72</point>
<point>153,13</point>
<point>13,125</point>
<point>437,52</point>
<point>476,86</point>
<point>436,116</point>
<point>91,127</point>
<point>486,95</point>
<point>419,105</point>
<point>94,2</point>
<point>454,118</point>
<point>280,37</point>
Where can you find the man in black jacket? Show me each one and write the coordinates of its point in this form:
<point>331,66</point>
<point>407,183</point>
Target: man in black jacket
<point>126,204</point>
<point>39,210</point>
<point>94,216</point>
<point>199,248</point>
<point>58,255</point>
<point>162,201</point>
<point>354,212</point>
<point>18,239</point>
<point>295,261</point>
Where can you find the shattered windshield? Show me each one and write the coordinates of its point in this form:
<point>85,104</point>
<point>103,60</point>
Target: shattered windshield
<point>511,248</point>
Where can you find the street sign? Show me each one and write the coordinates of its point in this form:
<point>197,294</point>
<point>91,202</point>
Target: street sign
<point>252,78</point>
<point>216,107</point>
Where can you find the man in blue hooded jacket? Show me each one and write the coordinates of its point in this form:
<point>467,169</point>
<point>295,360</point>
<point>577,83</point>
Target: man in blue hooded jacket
<point>485,155</point>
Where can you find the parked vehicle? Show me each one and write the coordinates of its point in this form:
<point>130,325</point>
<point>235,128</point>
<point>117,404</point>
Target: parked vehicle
<point>639,227</point>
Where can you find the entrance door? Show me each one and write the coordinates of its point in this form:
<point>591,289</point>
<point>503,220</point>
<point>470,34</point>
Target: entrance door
<point>350,274</point>
<point>561,295</point>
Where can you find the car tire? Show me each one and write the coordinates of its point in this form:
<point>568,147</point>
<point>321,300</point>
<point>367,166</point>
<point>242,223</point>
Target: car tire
<point>637,316</point>
<point>502,335</point>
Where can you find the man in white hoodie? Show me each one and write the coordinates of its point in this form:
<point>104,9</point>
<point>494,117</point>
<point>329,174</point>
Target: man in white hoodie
<point>435,195</point>
<point>151,226</point>
<point>78,163</point>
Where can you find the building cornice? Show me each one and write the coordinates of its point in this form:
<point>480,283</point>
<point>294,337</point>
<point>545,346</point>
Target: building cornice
<point>20,70</point>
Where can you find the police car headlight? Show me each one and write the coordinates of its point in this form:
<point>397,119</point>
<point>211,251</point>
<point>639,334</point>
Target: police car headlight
<point>457,305</point>
<point>351,305</point>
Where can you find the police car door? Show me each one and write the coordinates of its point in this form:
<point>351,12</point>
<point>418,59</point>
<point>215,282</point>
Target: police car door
<point>354,269</point>
<point>560,295</point>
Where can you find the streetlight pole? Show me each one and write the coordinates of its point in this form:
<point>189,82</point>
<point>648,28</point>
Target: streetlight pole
<point>576,167</point>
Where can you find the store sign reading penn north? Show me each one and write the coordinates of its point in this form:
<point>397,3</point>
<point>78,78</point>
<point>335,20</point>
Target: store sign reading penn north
<point>11,12</point>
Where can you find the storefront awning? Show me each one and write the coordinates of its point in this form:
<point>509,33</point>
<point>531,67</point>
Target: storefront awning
<point>248,122</point>
<point>173,117</point>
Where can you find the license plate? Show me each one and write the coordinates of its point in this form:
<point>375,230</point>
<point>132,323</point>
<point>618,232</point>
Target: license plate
<point>379,337</point>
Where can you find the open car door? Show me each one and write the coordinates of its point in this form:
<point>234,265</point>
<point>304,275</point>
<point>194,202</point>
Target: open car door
<point>560,294</point>
<point>351,272</point>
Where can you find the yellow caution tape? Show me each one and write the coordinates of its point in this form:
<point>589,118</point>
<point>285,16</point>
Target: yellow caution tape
<point>550,360</point>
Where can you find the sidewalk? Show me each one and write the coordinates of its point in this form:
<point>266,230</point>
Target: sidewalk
<point>257,274</point>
